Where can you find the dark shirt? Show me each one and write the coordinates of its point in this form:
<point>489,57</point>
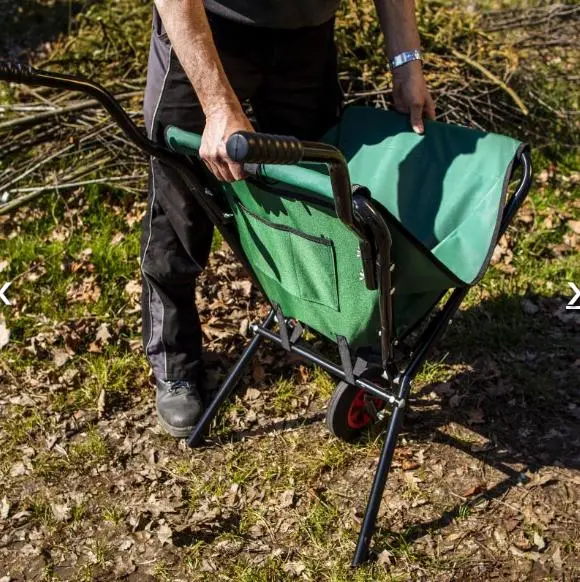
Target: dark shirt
<point>275,13</point>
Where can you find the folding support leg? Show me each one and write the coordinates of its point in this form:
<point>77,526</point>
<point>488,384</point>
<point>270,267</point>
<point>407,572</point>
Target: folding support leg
<point>380,480</point>
<point>228,385</point>
<point>429,336</point>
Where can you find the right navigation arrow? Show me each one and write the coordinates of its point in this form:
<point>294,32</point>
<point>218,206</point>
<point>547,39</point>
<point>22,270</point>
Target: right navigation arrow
<point>572,304</point>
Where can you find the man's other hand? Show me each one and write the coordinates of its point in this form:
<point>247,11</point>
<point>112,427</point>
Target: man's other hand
<point>220,123</point>
<point>410,94</point>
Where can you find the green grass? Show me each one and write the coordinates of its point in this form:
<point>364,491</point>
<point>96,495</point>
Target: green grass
<point>89,452</point>
<point>57,267</point>
<point>46,247</point>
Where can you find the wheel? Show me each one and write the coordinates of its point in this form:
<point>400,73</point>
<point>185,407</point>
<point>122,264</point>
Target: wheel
<point>349,411</point>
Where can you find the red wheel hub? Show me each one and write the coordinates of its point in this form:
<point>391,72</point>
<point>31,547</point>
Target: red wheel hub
<point>358,415</point>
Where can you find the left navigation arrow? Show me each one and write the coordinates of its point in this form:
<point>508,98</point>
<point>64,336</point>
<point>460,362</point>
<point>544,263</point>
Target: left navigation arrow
<point>3,293</point>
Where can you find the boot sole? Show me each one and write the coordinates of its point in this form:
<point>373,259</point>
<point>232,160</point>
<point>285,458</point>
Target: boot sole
<point>174,431</point>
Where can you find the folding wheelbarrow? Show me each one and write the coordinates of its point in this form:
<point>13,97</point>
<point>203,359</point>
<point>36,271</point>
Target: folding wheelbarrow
<point>358,237</point>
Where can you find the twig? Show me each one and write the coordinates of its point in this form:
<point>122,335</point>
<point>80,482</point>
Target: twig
<point>76,184</point>
<point>12,123</point>
<point>492,78</point>
<point>35,167</point>
<point>38,191</point>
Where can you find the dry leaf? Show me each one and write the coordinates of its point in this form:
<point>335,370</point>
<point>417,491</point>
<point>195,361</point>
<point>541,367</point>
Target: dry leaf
<point>543,177</point>
<point>548,222</point>
<point>86,292</point>
<point>303,374</point>
<point>286,499</point>
<point>94,348</point>
<point>60,358</point>
<point>500,537</point>
<point>258,373</point>
<point>103,334</point>
<point>164,534</point>
<point>4,334</point>
<point>4,508</point>
<point>61,511</point>
<point>574,226</point>
<point>539,541</point>
<point>410,465</point>
<point>117,238</point>
<point>526,215</point>
<point>295,568</point>
<point>252,393</point>
<point>18,469</point>
<point>243,327</point>
<point>256,531</point>
<point>133,289</point>
<point>474,490</point>
<point>534,556</point>
<point>557,559</point>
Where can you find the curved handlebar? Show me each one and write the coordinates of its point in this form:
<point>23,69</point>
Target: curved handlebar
<point>264,148</point>
<point>279,149</point>
<point>252,148</point>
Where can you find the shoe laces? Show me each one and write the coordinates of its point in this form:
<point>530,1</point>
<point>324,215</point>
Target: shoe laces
<point>179,385</point>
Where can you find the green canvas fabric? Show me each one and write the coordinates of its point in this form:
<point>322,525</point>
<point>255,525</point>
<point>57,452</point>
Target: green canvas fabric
<point>442,195</point>
<point>445,187</point>
<point>305,260</point>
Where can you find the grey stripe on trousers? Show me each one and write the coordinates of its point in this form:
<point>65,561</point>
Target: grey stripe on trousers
<point>290,79</point>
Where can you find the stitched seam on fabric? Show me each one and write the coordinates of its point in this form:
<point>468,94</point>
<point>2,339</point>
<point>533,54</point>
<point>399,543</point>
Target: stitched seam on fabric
<point>505,186</point>
<point>283,227</point>
<point>153,198</point>
<point>162,341</point>
<point>161,93</point>
<point>155,324</point>
<point>145,254</point>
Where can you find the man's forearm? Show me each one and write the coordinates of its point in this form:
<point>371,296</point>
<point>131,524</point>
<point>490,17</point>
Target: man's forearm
<point>399,25</point>
<point>189,32</point>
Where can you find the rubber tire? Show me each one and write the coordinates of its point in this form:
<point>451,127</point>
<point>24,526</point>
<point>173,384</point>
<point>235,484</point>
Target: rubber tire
<point>337,413</point>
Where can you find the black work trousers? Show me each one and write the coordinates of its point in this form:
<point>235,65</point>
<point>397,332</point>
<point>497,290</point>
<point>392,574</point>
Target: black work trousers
<point>289,77</point>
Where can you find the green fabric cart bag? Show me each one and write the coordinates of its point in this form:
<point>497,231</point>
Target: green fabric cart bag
<point>442,195</point>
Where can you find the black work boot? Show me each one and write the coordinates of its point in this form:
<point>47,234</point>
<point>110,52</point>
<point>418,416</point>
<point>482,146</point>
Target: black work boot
<point>179,406</point>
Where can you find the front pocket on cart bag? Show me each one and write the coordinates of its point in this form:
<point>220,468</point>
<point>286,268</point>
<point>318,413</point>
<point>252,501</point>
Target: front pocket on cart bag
<point>302,264</point>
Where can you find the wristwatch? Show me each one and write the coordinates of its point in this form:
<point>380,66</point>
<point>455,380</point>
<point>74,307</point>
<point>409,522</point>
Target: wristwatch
<point>404,58</point>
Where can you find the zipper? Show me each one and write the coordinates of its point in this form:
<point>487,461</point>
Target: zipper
<point>283,227</point>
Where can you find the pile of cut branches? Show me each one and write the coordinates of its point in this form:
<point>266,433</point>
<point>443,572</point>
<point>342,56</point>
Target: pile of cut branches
<point>509,71</point>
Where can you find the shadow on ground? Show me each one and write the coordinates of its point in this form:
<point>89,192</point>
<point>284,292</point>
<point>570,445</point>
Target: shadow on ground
<point>518,390</point>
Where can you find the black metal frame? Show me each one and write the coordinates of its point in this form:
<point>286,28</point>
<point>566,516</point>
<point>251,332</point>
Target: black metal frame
<point>357,210</point>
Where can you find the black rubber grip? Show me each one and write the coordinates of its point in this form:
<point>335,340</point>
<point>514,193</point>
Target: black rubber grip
<point>15,72</point>
<point>263,148</point>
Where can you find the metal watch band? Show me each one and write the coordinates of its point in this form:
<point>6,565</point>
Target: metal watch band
<point>406,57</point>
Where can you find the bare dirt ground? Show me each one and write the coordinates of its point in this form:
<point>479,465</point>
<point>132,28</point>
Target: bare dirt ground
<point>485,483</point>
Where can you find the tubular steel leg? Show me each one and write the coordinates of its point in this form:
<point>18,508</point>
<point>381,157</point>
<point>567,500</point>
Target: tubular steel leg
<point>227,386</point>
<point>433,332</point>
<point>379,482</point>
